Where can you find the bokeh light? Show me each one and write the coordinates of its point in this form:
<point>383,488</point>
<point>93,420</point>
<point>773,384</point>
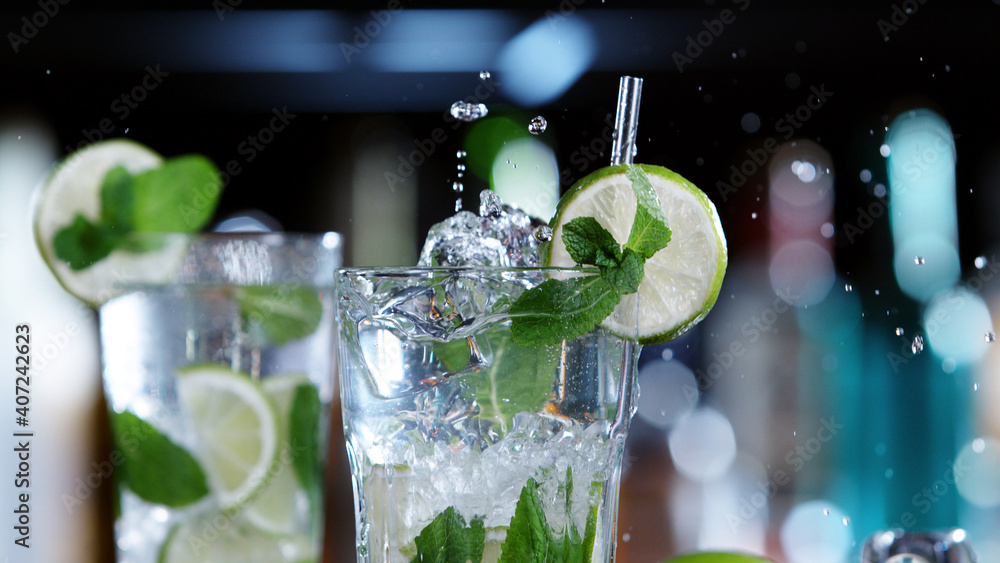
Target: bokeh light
<point>544,60</point>
<point>977,472</point>
<point>816,532</point>
<point>957,322</point>
<point>668,392</point>
<point>703,445</point>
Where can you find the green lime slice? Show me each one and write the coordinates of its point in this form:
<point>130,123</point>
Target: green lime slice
<point>283,504</point>
<point>237,431</point>
<point>73,189</point>
<point>216,537</point>
<point>682,281</point>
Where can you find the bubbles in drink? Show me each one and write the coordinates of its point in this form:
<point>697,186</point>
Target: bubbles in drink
<point>466,111</point>
<point>537,125</point>
<point>918,344</point>
<point>489,204</point>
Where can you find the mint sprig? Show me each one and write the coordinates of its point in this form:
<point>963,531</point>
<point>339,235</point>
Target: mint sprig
<point>179,196</point>
<point>447,539</point>
<point>284,313</point>
<point>155,468</point>
<point>560,310</point>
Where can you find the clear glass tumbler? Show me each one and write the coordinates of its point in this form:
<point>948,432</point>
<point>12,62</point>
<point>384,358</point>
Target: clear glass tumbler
<point>465,444</point>
<point>218,370</point>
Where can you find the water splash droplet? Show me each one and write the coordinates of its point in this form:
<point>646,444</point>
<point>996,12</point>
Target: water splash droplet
<point>485,75</point>
<point>465,111</point>
<point>848,287</point>
<point>900,331</point>
<point>489,204</point>
<point>975,387</point>
<point>753,215</point>
<point>458,205</point>
<point>460,167</point>
<point>458,187</point>
<point>543,233</point>
<point>846,521</point>
<point>981,262</point>
<point>461,154</point>
<point>989,336</point>
<point>826,512</point>
<point>537,125</point>
<point>918,344</point>
<point>918,260</point>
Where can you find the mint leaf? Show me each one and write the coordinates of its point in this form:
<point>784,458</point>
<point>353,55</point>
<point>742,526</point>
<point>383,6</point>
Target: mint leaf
<point>558,310</point>
<point>284,313</point>
<point>626,277</point>
<point>303,438</point>
<point>525,375</point>
<point>529,535</point>
<point>116,200</point>
<point>156,469</point>
<point>81,243</point>
<point>588,242</point>
<point>650,232</point>
<point>179,196</point>
<point>448,540</point>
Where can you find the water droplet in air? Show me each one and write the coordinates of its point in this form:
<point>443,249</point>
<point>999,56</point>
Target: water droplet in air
<point>489,204</point>
<point>484,75</point>
<point>47,71</point>
<point>918,260</point>
<point>980,262</point>
<point>975,387</point>
<point>458,205</point>
<point>989,336</point>
<point>465,111</point>
<point>876,292</point>
<point>18,137</point>
<point>626,537</point>
<point>918,344</point>
<point>900,331</point>
<point>848,287</point>
<point>543,233</point>
<point>460,167</point>
<point>846,521</point>
<point>460,154</point>
<point>753,215</point>
<point>458,187</point>
<point>826,511</point>
<point>537,125</point>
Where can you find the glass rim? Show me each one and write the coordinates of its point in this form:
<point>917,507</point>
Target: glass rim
<point>414,271</point>
<point>329,239</point>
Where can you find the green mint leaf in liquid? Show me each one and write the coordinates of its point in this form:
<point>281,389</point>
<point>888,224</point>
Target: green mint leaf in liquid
<point>284,313</point>
<point>447,539</point>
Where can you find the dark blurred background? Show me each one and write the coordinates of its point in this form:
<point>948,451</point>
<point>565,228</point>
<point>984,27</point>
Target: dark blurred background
<point>335,117</point>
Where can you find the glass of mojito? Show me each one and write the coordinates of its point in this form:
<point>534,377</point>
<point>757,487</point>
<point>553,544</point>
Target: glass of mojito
<point>218,372</point>
<point>466,445</point>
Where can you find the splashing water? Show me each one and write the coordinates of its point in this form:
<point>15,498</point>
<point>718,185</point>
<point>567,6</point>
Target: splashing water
<point>989,336</point>
<point>848,287</point>
<point>458,187</point>
<point>918,344</point>
<point>500,236</point>
<point>485,75</point>
<point>466,111</point>
<point>919,260</point>
<point>537,125</point>
<point>543,233</point>
<point>899,331</point>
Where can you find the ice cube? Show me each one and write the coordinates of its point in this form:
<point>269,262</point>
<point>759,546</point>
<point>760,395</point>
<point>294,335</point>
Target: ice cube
<point>503,236</point>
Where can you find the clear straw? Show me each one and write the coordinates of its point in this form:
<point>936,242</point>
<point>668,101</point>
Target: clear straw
<point>626,120</point>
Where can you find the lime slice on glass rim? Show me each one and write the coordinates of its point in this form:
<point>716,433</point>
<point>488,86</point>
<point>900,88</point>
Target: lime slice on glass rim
<point>682,281</point>
<point>74,188</point>
<point>236,428</point>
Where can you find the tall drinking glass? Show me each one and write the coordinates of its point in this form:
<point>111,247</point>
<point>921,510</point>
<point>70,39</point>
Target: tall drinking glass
<point>218,372</point>
<point>465,444</point>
